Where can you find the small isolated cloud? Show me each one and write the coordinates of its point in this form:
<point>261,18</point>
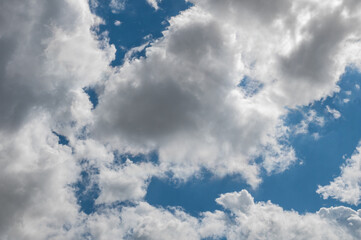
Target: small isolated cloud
<point>154,3</point>
<point>117,23</point>
<point>336,114</point>
<point>316,136</point>
<point>347,186</point>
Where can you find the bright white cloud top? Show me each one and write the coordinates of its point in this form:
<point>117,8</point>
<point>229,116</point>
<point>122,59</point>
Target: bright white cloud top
<point>210,94</point>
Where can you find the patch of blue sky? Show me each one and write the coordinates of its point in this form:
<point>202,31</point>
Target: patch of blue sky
<point>93,96</point>
<point>195,195</point>
<point>137,23</point>
<point>215,238</point>
<point>86,190</point>
<point>250,86</point>
<point>62,139</point>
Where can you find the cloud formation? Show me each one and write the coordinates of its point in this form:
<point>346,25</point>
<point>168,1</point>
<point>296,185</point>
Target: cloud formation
<point>186,97</point>
<point>209,94</point>
<point>242,219</point>
<point>43,68</point>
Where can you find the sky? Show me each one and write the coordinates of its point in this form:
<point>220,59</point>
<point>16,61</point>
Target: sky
<point>173,119</point>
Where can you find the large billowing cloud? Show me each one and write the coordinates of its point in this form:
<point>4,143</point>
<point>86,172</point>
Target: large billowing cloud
<point>44,64</point>
<point>209,94</point>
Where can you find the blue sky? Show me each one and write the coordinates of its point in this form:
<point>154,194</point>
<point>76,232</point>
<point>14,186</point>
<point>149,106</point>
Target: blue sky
<point>173,119</point>
<point>138,21</point>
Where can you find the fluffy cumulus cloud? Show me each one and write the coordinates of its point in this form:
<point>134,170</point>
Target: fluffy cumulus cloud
<point>347,186</point>
<point>242,218</point>
<point>264,220</point>
<point>209,94</point>
<point>44,57</point>
<point>43,68</point>
<point>35,193</point>
<point>125,183</point>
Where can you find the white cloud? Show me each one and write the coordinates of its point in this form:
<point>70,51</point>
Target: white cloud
<point>127,182</point>
<point>45,47</point>
<point>236,201</point>
<point>117,23</point>
<point>336,114</point>
<point>268,221</point>
<point>154,3</point>
<point>36,173</point>
<point>284,48</point>
<point>183,99</point>
<point>184,109</point>
<point>44,59</point>
<point>347,186</point>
